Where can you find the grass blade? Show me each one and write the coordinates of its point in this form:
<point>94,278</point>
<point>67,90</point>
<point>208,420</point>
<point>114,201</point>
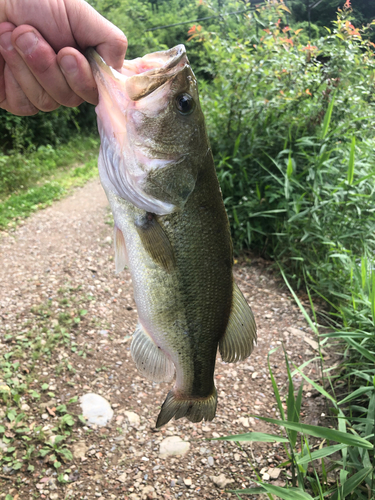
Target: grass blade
<point>322,432</point>
<point>355,394</point>
<point>275,388</point>
<point>324,452</point>
<point>284,493</point>
<point>351,162</point>
<point>352,483</point>
<point>253,436</point>
<point>327,117</point>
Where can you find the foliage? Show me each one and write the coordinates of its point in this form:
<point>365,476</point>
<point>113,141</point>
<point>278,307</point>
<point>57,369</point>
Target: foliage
<point>37,179</point>
<point>25,133</point>
<point>290,123</point>
<point>312,462</point>
<point>18,171</point>
<point>286,128</point>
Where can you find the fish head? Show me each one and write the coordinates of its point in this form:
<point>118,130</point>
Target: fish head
<point>151,127</point>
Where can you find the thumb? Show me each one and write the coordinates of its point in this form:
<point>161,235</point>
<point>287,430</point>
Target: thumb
<point>91,29</point>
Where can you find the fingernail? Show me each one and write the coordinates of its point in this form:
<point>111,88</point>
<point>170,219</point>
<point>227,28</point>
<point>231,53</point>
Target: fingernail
<point>27,43</point>
<point>69,64</point>
<point>5,41</point>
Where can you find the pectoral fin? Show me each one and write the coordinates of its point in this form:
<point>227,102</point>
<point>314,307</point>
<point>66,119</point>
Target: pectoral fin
<point>121,256</point>
<point>238,341</point>
<point>149,358</point>
<point>156,242</point>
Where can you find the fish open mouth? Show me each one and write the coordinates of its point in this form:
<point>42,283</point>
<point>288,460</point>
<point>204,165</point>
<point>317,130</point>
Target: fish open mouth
<point>141,76</point>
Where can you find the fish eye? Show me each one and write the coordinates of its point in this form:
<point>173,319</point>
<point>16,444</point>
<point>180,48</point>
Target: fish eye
<point>185,104</point>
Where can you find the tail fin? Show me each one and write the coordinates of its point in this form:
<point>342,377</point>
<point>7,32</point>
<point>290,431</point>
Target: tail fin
<point>194,410</point>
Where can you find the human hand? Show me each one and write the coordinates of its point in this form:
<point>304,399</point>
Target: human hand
<point>41,63</point>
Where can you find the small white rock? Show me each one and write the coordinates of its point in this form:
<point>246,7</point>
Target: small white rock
<point>133,419</point>
<point>173,445</point>
<point>96,409</point>
<point>79,449</point>
<point>244,421</point>
<point>220,481</point>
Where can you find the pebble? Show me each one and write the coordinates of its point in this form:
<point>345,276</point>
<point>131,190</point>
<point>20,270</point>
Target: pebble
<point>133,419</point>
<point>210,461</point>
<point>173,445</point>
<point>244,421</point>
<point>96,409</point>
<point>221,481</point>
<point>148,492</point>
<point>79,449</point>
<point>122,478</point>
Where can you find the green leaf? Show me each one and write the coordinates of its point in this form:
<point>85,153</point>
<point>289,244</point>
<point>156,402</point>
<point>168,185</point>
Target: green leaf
<point>303,310</point>
<point>61,409</point>
<point>9,497</point>
<point>56,464</point>
<point>253,436</point>
<point>67,419</point>
<point>44,451</point>
<point>289,168</point>
<point>324,452</point>
<point>362,350</point>
<point>356,393</point>
<point>318,387</point>
<point>327,117</point>
<point>57,439</point>
<point>249,491</point>
<point>322,432</point>
<point>45,387</point>
<point>274,385</point>
<point>284,493</point>
<point>351,162</point>
<point>66,453</point>
<point>352,483</point>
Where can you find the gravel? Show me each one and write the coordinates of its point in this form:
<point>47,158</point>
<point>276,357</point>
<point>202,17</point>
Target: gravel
<point>57,270</point>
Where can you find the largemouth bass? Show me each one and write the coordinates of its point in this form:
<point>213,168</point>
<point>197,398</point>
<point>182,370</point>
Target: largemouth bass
<point>171,228</point>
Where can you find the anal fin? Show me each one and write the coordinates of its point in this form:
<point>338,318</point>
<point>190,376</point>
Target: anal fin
<point>155,241</point>
<point>151,361</point>
<point>240,335</point>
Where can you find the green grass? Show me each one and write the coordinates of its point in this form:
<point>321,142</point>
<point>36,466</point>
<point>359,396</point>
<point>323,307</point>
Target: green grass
<point>57,171</point>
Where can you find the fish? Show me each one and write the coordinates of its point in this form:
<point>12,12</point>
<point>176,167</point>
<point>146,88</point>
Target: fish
<point>171,229</point>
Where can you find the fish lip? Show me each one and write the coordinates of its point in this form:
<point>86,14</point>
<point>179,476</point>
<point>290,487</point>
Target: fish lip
<point>173,58</point>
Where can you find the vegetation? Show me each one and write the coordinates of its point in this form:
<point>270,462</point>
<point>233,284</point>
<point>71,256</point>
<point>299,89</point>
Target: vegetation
<point>288,95</point>
<point>33,180</point>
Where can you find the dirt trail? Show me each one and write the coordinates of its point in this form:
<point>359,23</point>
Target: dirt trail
<point>57,271</point>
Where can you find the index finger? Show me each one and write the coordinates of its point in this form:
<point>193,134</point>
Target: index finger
<point>2,79</point>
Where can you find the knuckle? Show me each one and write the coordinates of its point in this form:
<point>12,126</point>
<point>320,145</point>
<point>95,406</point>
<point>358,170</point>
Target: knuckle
<point>45,103</point>
<point>73,101</point>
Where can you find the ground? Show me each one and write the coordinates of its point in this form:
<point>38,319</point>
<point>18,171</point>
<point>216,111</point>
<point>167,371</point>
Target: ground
<point>66,321</point>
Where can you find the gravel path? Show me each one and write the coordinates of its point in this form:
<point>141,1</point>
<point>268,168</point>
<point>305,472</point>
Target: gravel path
<point>66,320</point>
